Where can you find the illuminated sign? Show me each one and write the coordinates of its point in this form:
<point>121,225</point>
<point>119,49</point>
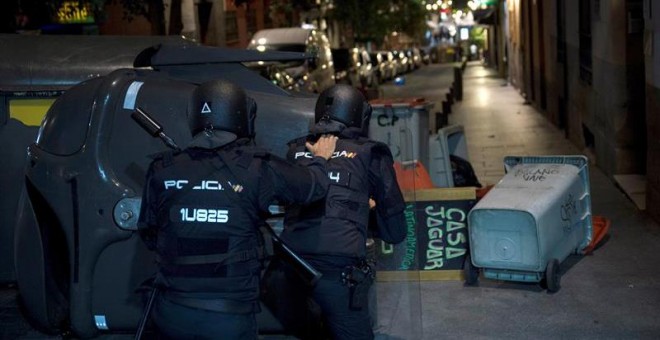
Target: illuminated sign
<point>73,12</point>
<point>465,33</point>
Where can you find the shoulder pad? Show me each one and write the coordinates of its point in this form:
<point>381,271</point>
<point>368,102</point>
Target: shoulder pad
<point>155,156</point>
<point>358,141</point>
<point>261,154</point>
<point>246,157</point>
<point>167,157</point>
<point>298,141</point>
<point>381,147</point>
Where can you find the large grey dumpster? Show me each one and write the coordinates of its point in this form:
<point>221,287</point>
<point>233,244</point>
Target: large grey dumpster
<point>533,219</point>
<point>402,124</point>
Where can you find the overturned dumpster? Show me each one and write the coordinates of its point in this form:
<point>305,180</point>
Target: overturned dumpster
<point>531,221</point>
<point>79,259</point>
<point>34,71</point>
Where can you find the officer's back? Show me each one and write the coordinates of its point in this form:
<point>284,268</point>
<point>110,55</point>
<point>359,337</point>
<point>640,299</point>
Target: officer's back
<point>332,233</point>
<point>201,213</point>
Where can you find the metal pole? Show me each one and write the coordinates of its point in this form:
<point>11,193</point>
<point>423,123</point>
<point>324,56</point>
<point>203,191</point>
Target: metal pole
<point>458,81</point>
<point>217,24</point>
<point>147,312</point>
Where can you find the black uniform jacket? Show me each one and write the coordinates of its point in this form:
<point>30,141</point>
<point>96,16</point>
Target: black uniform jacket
<point>203,207</point>
<point>337,226</point>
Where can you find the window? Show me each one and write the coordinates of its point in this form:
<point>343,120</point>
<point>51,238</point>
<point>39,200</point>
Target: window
<point>251,18</point>
<point>231,26</point>
<point>597,9</point>
<point>585,42</point>
<point>561,31</point>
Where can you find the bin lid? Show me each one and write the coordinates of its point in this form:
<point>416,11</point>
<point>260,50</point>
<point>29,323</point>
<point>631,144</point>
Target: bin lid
<point>400,102</point>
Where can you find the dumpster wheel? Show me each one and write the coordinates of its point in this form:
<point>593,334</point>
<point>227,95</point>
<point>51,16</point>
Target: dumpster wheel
<point>470,272</point>
<point>551,280</point>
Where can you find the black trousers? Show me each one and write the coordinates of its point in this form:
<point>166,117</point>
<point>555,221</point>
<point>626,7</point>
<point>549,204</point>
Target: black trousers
<point>175,321</point>
<point>319,312</point>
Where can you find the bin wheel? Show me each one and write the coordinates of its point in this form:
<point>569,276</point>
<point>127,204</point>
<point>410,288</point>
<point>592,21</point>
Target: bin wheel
<point>552,276</point>
<point>471,272</point>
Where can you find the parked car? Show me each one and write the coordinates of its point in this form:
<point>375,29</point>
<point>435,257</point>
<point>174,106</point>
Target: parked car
<point>426,59</point>
<point>342,64</point>
<point>314,74</point>
<point>283,79</point>
<point>353,66</point>
<point>414,57</point>
<point>404,65</point>
<point>391,64</point>
<point>380,67</point>
<point>362,60</point>
<point>277,75</point>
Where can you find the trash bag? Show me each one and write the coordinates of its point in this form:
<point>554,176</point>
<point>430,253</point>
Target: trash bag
<point>463,173</point>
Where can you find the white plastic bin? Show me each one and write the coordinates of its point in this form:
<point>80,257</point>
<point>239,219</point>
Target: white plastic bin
<point>535,217</point>
<point>450,140</point>
<point>402,124</point>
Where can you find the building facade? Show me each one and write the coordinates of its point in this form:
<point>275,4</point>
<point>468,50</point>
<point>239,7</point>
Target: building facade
<point>652,84</point>
<point>583,64</point>
<point>240,21</point>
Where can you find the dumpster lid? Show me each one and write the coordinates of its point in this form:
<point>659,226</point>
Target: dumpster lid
<point>399,102</point>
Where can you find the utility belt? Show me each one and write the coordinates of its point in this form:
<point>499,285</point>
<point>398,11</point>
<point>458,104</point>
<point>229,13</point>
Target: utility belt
<point>219,259</point>
<point>213,304</point>
<point>358,278</point>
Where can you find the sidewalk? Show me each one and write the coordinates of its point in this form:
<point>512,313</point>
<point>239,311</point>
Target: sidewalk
<point>613,293</point>
<point>497,123</point>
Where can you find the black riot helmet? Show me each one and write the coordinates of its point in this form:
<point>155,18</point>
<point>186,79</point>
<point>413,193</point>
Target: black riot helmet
<point>222,105</point>
<point>344,104</point>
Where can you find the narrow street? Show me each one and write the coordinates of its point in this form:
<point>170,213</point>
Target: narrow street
<point>613,293</point>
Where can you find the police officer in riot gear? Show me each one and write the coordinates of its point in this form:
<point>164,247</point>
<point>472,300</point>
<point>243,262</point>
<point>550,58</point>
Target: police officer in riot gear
<point>332,233</point>
<point>201,212</point>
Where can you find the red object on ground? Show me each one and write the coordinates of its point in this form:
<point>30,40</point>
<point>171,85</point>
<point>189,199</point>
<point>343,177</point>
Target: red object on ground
<point>411,101</point>
<point>601,226</point>
<point>481,192</point>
